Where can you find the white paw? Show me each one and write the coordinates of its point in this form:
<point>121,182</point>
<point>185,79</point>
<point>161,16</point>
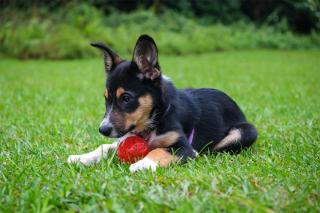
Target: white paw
<point>143,164</point>
<point>84,159</point>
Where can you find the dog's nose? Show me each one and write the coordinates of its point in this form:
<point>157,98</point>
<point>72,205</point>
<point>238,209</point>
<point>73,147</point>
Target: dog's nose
<point>106,129</point>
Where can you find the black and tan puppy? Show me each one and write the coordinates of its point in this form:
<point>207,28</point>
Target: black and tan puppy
<point>176,123</point>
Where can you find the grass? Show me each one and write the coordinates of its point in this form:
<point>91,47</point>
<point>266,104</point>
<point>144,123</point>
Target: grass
<point>51,109</point>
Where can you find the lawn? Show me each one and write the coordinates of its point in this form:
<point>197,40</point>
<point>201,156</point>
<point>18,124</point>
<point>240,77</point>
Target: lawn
<point>51,109</point>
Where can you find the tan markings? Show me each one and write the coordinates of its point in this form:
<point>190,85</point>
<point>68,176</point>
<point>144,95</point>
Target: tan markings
<point>164,140</point>
<point>233,137</point>
<point>118,120</point>
<point>119,92</point>
<point>106,93</point>
<point>140,117</point>
<point>162,157</point>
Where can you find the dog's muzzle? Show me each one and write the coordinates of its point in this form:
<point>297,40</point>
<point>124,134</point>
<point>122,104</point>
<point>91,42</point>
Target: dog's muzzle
<point>106,128</point>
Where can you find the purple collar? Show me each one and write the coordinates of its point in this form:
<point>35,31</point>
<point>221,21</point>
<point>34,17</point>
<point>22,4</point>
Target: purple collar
<point>190,138</point>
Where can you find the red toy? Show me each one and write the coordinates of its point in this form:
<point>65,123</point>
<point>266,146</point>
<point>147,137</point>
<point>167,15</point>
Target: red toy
<point>132,149</point>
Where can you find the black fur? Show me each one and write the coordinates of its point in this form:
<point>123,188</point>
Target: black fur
<point>211,113</point>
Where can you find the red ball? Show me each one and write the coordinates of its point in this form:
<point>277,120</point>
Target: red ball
<point>132,149</point>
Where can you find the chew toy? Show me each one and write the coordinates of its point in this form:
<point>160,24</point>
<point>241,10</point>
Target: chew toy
<point>132,149</point>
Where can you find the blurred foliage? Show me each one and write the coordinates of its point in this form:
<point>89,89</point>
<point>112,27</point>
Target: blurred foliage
<point>52,31</point>
<point>302,15</point>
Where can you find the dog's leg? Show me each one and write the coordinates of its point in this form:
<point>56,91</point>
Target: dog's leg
<point>157,157</point>
<point>176,149</point>
<point>96,155</point>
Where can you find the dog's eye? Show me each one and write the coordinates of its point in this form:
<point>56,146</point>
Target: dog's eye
<point>126,98</point>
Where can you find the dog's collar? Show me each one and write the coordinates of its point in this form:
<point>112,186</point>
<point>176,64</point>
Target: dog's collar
<point>190,138</point>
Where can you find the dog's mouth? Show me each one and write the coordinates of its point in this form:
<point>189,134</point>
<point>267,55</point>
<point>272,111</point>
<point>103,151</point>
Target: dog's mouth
<point>141,127</point>
<point>131,128</point>
<point>145,134</point>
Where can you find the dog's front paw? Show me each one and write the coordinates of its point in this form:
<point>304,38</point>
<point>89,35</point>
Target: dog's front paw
<point>85,160</point>
<point>143,164</point>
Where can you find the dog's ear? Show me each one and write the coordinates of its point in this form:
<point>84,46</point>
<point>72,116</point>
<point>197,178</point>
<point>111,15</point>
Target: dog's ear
<point>111,59</point>
<point>145,55</point>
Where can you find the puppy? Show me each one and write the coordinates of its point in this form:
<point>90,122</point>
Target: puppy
<point>177,124</point>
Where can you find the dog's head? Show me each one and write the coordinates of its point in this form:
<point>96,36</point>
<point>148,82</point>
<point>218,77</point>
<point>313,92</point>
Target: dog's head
<point>132,88</point>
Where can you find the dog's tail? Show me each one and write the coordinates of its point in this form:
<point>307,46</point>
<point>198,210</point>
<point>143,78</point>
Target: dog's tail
<point>239,136</point>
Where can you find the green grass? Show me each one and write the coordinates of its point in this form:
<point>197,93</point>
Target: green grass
<point>51,109</point>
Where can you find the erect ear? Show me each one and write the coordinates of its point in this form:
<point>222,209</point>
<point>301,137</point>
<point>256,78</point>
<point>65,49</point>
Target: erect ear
<point>145,55</point>
<point>111,59</point>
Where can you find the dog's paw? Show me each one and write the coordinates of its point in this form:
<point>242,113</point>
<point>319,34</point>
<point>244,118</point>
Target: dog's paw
<point>85,160</point>
<point>143,164</point>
